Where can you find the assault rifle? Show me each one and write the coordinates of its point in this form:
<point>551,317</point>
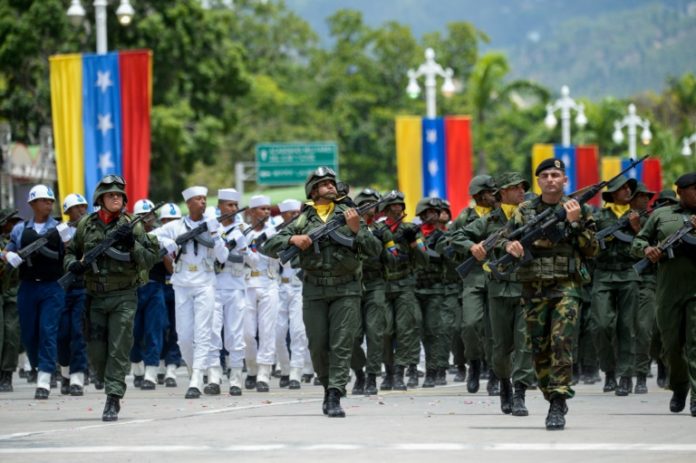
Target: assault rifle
<point>667,246</point>
<point>489,243</point>
<point>184,238</point>
<point>548,229</point>
<point>34,246</point>
<point>616,230</point>
<point>91,256</point>
<point>6,218</point>
<point>331,229</point>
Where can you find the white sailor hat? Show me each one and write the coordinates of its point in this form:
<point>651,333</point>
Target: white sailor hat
<point>259,200</point>
<point>228,194</point>
<point>289,205</point>
<point>193,191</point>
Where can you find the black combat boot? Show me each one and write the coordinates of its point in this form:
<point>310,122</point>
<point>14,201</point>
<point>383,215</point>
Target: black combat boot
<point>388,381</point>
<point>661,374</point>
<point>193,393</point>
<point>641,385</point>
<point>325,403</point>
<point>76,390</point>
<point>505,395</point>
<point>42,394</point>
<point>460,375</point>
<point>209,389</point>
<point>294,384</point>
<point>235,390</point>
<point>429,378</point>
<point>160,379</point>
<point>64,385</point>
<point>317,381</point>
<point>262,386</point>
<point>371,384</point>
<point>98,383</point>
<point>398,378</point>
<point>6,381</point>
<point>333,404</point>
<point>250,382</point>
<point>609,382</point>
<point>441,377</point>
<point>111,408</point>
<point>138,381</point>
<point>624,388</point>
<point>284,381</point>
<point>518,406</point>
<point>412,376</point>
<point>678,401</point>
<point>589,375</point>
<point>32,375</point>
<point>359,384</point>
<point>54,380</point>
<point>472,382</point>
<point>493,386</point>
<point>555,420</point>
<point>307,378</point>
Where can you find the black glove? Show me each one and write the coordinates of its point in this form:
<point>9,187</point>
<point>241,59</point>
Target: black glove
<point>124,236</point>
<point>77,267</point>
<point>410,234</point>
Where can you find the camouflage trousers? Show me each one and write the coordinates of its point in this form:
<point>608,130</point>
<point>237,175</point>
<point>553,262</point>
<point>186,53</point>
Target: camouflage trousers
<point>551,313</point>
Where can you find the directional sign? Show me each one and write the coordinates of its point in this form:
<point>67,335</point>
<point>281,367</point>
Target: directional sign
<point>290,163</point>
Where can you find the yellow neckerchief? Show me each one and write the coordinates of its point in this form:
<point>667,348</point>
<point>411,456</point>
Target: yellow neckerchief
<point>618,209</point>
<point>481,210</point>
<point>508,209</point>
<point>324,211</point>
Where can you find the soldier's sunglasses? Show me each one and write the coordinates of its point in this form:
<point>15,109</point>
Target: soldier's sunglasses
<point>324,171</point>
<point>109,179</point>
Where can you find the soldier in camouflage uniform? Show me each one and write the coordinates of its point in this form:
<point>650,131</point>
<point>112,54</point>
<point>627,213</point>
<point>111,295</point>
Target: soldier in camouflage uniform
<point>615,289</point>
<point>676,292</point>
<point>332,282</point>
<point>645,311</point>
<point>9,317</point>
<point>374,313</point>
<point>402,335</point>
<point>551,282</point>
<point>472,320</point>
<point>111,285</point>
<point>511,356</point>
<point>430,292</point>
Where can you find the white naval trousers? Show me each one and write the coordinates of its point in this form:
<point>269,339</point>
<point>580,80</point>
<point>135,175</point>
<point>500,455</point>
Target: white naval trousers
<point>230,305</point>
<point>260,316</point>
<point>194,322</point>
<point>290,318</point>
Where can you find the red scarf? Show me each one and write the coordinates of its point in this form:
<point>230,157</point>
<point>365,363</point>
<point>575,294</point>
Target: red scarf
<point>392,224</point>
<point>427,229</point>
<point>108,217</point>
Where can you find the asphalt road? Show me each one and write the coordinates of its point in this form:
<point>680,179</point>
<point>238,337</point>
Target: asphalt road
<point>441,424</point>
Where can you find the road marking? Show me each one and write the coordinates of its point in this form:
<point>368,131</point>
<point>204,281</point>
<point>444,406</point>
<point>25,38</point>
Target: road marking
<point>424,447</point>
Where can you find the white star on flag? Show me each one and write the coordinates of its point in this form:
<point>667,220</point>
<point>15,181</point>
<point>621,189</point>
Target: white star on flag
<point>105,163</point>
<point>104,123</point>
<point>104,80</point>
<point>434,193</point>
<point>431,136</point>
<point>433,167</point>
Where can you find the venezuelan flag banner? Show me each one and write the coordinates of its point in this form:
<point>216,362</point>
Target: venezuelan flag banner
<point>581,162</point>
<point>434,158</point>
<point>101,120</point>
<point>648,172</point>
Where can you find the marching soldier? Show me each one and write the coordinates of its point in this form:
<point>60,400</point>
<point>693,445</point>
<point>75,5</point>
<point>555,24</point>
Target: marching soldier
<point>402,333</point>
<point>511,357</point>
<point>332,282</point>
<point>676,292</point>
<point>472,320</point>
<point>111,285</point>
<point>615,290</point>
<point>373,306</point>
<point>551,282</point>
<point>9,318</point>
<point>72,349</point>
<point>40,299</point>
<point>194,283</point>
<point>645,311</point>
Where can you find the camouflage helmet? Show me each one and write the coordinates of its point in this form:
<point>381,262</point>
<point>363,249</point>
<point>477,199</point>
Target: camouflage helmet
<point>367,195</point>
<point>508,179</point>
<point>428,203</point>
<point>396,197</point>
<point>642,188</point>
<point>108,184</point>
<point>317,176</point>
<point>665,198</point>
<point>481,183</point>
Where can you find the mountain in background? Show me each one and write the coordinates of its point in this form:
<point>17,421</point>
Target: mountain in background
<point>597,47</point>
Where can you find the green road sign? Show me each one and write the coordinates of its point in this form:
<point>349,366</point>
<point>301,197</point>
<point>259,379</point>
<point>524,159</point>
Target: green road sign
<point>290,163</point>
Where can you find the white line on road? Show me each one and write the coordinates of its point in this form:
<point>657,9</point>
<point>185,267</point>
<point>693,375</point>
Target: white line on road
<point>429,447</point>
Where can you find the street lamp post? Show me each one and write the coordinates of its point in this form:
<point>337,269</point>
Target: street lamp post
<point>430,69</point>
<point>565,103</point>
<point>124,12</point>
<point>686,148</point>
<point>632,122</point>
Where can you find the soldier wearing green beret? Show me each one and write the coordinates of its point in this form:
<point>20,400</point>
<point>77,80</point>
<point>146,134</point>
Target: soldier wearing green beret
<point>675,292</point>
